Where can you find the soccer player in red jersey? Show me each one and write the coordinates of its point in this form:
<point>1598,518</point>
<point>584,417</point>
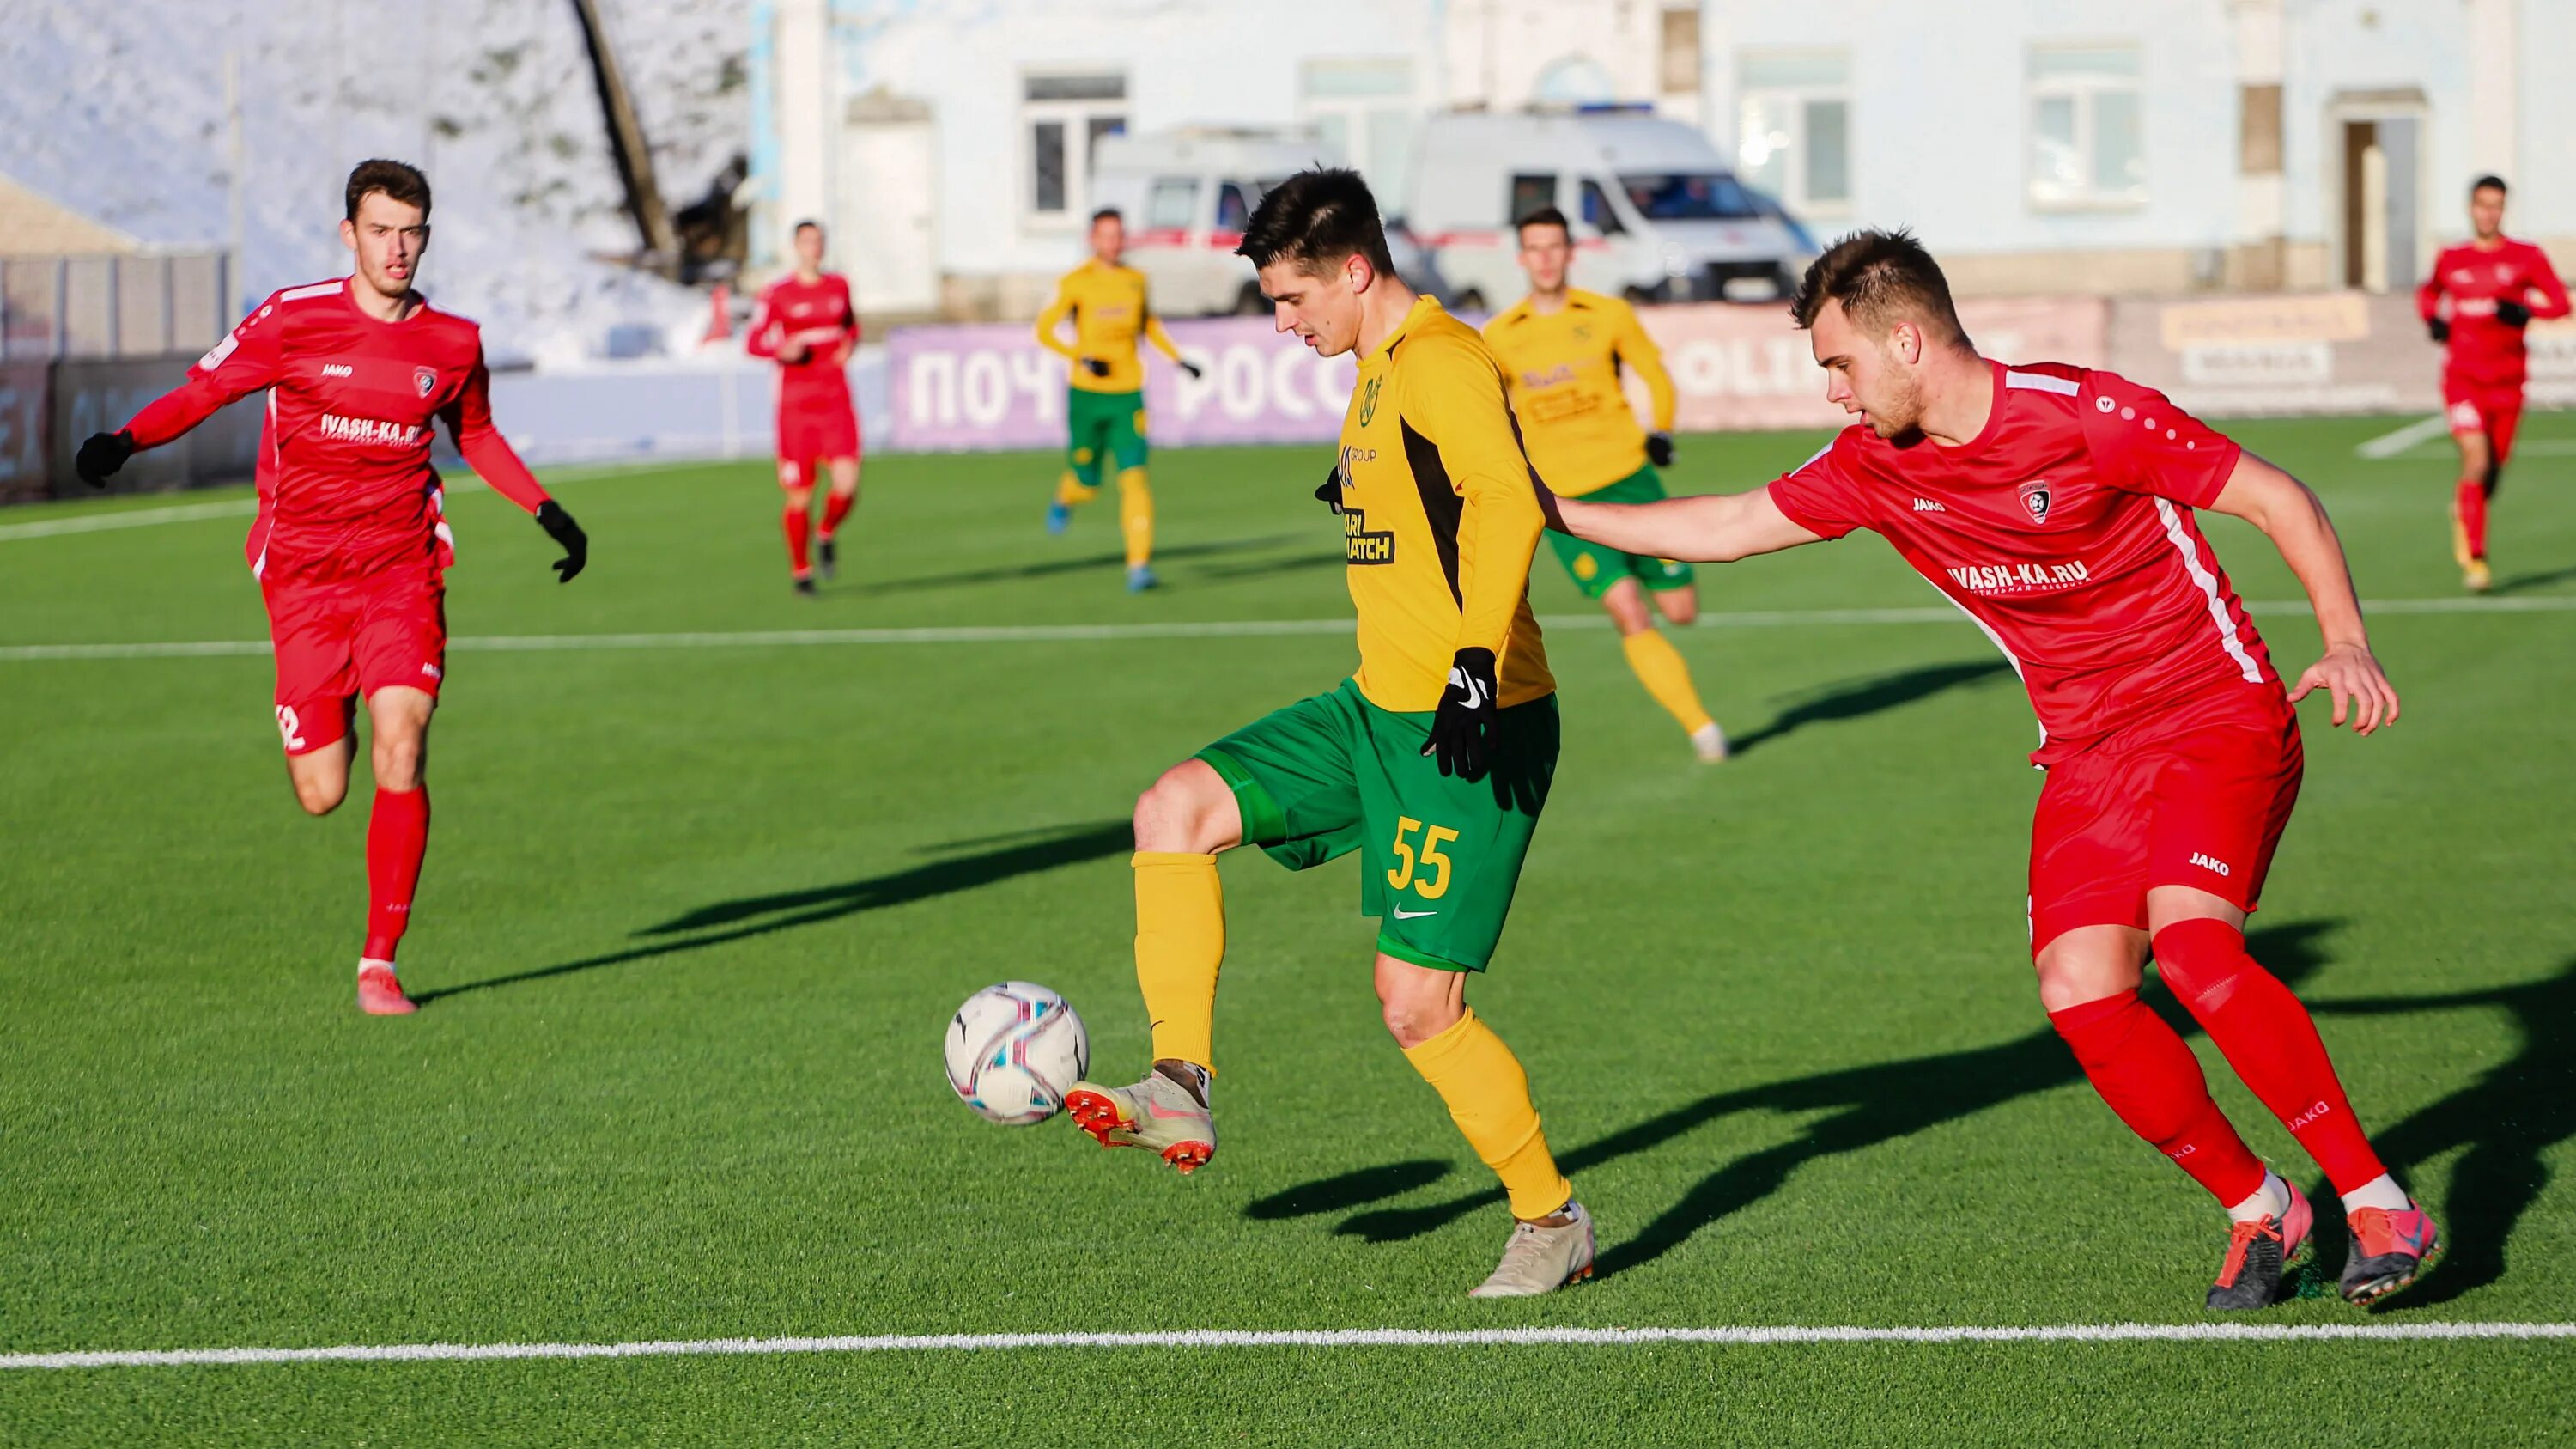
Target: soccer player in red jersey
<point>351,544</point>
<point>2497,286</point>
<point>806,322</point>
<point>2055,506</point>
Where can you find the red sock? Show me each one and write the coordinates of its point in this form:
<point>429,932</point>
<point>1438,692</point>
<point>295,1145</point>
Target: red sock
<point>2146,1074</point>
<point>397,837</point>
<point>835,508</point>
<point>2270,1040</point>
<point>800,528</point>
<point>2470,499</point>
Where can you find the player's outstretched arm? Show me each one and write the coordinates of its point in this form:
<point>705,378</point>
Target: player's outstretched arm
<point>243,363</point>
<point>1164,344</point>
<point>1710,528</point>
<point>2290,515</point>
<point>469,421</point>
<point>1053,317</point>
<point>1637,352</point>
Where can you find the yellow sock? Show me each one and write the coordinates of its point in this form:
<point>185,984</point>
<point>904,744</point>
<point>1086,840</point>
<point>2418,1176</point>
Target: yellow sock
<point>1660,668</point>
<point>1180,942</point>
<point>1136,516</point>
<point>1072,492</point>
<point>1488,1097</point>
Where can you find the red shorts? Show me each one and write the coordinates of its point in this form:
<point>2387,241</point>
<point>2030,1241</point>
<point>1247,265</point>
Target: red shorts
<point>828,430</point>
<point>343,639</point>
<point>2485,408</point>
<point>2197,797</point>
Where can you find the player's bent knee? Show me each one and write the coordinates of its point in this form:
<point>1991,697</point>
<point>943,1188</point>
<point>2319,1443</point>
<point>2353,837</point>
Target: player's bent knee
<point>2089,963</point>
<point>320,798</point>
<point>1418,1002</point>
<point>1679,606</point>
<point>1189,810</point>
<point>1625,603</point>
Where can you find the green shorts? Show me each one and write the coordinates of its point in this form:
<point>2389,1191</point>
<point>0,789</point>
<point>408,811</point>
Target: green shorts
<point>1596,568</point>
<point>1103,425</point>
<point>1439,857</point>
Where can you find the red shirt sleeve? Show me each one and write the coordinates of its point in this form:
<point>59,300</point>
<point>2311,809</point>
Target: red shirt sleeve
<point>761,340</point>
<point>2142,443</point>
<point>2428,297</point>
<point>243,363</point>
<point>469,421</point>
<point>1822,495</point>
<point>2544,280</point>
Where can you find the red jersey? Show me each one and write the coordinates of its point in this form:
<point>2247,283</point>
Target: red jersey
<point>2484,352</point>
<point>345,483</point>
<point>2065,530</point>
<point>818,314</point>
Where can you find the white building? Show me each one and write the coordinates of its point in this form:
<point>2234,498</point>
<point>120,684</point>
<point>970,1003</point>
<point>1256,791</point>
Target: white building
<point>2038,145</point>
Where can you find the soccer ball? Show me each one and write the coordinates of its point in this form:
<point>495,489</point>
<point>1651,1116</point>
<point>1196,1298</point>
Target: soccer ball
<point>1014,1050</point>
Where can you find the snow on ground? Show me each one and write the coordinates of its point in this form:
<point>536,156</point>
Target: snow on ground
<point>118,111</point>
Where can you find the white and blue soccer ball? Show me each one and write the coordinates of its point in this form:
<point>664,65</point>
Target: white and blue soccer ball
<point>1014,1050</point>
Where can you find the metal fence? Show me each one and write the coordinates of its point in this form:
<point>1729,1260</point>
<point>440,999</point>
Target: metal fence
<point>141,304</point>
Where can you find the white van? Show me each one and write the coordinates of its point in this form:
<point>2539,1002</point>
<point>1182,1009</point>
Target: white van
<point>1656,214</point>
<point>1186,195</point>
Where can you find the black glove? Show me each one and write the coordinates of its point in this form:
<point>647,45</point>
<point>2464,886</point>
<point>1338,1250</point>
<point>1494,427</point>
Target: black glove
<point>2440,328</point>
<point>1659,449</point>
<point>100,457</point>
<point>1329,492</point>
<point>1096,366</point>
<point>560,527</point>
<point>2513,314</point>
<point>1462,731</point>
<point>1193,369</point>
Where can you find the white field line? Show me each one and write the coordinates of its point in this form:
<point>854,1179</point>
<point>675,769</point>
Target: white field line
<point>245,507</point>
<point>1291,1338</point>
<point>2389,445</point>
<point>132,518</point>
<point>1213,629</point>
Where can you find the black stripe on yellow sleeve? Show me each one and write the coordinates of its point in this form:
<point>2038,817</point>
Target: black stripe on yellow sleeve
<point>1442,508</point>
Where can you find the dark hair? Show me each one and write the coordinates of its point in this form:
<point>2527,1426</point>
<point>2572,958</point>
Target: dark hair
<point>397,180</point>
<point>802,227</point>
<point>1881,278</point>
<point>1315,219</point>
<point>1108,213</point>
<point>1544,216</point>
<point>2490,180</point>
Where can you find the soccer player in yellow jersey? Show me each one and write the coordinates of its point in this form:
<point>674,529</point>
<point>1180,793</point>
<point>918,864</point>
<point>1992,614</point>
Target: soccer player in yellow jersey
<point>1105,404</point>
<point>1433,761</point>
<point>1562,350</point>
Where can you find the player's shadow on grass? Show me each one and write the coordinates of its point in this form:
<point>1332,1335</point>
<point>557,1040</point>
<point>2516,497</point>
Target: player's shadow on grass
<point>1856,698</point>
<point>997,858</point>
<point>2535,581</point>
<point>1869,1106</point>
<point>1083,563</point>
<point>2513,1113</point>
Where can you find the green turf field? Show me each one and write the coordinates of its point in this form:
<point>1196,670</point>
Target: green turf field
<point>697,909</point>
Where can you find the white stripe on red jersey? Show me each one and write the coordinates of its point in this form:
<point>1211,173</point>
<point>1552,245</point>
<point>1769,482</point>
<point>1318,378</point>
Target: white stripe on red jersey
<point>2065,530</point>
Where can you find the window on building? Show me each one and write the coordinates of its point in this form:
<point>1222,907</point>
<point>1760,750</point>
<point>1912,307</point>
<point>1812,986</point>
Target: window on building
<point>1362,110</point>
<point>1793,111</point>
<point>2087,127</point>
<point>1530,191</point>
<point>1681,52</point>
<point>1063,117</point>
<point>1173,205</point>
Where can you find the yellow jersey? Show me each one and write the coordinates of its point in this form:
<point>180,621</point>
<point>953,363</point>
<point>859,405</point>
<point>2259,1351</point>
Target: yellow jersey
<point>1439,518</point>
<point>1107,305</point>
<point>1563,368</point>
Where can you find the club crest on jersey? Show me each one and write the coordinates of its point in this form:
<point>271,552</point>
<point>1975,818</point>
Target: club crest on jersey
<point>425,380</point>
<point>1368,401</point>
<point>2034,499</point>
